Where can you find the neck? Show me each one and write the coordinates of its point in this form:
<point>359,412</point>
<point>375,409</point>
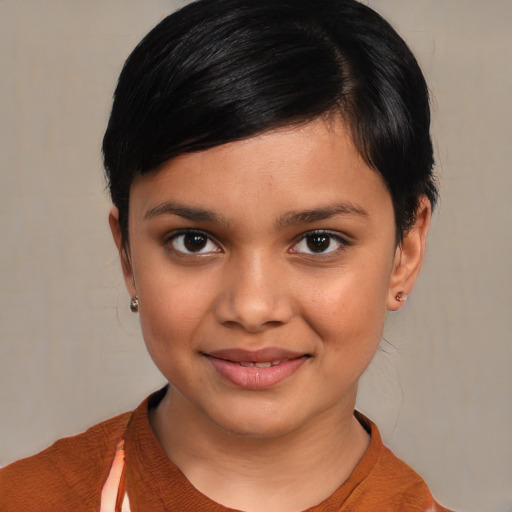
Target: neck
<point>291,472</point>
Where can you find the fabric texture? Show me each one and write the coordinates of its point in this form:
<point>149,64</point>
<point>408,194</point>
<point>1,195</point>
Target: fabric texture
<point>69,475</point>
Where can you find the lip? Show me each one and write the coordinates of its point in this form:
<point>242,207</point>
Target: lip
<point>239,355</point>
<point>238,366</point>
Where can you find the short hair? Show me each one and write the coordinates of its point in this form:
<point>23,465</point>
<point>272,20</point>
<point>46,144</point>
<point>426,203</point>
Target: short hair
<point>218,71</point>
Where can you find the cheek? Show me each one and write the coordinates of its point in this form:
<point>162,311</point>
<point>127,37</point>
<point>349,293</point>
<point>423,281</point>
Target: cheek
<point>168,327</point>
<point>348,314</point>
<point>172,308</point>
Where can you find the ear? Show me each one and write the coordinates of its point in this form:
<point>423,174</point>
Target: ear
<point>409,256</point>
<point>124,251</point>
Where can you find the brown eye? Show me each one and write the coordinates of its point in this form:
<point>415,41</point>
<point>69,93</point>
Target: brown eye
<point>318,243</point>
<point>193,242</point>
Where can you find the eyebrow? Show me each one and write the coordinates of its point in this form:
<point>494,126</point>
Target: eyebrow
<point>321,213</point>
<point>187,212</point>
<point>288,219</point>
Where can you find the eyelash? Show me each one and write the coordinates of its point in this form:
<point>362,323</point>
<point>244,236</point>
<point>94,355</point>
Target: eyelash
<point>332,236</point>
<point>184,232</point>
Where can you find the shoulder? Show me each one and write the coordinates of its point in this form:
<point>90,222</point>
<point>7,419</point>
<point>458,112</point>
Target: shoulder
<point>414,493</point>
<point>391,481</point>
<point>66,476</point>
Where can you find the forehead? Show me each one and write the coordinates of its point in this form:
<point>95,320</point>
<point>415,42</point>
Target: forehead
<point>292,168</point>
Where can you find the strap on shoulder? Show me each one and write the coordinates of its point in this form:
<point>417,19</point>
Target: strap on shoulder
<point>114,497</point>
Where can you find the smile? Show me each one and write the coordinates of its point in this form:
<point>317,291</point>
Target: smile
<point>267,364</point>
<point>256,370</point>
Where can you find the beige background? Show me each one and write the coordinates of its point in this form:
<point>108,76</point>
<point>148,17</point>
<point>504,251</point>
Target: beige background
<point>71,353</point>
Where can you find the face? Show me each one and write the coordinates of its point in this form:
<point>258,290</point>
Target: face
<point>264,269</point>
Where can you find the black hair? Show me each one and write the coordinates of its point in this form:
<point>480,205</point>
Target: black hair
<point>219,71</point>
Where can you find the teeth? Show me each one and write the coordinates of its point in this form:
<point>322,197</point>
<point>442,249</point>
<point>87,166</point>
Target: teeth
<point>263,365</point>
<point>266,364</point>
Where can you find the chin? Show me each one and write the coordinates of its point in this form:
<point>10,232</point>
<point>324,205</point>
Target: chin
<point>264,424</point>
<point>257,430</point>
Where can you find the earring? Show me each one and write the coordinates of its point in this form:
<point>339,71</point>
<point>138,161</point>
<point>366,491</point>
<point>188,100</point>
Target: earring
<point>401,296</point>
<point>134,304</point>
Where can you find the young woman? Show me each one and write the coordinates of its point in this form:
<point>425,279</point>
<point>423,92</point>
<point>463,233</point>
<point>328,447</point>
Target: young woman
<point>270,167</point>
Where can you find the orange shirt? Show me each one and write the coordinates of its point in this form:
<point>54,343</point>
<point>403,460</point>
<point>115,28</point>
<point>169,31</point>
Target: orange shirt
<point>69,475</point>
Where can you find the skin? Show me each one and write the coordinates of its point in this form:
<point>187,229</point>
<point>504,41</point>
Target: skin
<point>256,283</point>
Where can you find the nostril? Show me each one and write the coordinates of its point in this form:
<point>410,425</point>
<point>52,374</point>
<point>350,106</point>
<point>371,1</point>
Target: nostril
<point>231,324</point>
<point>273,323</point>
<point>248,327</point>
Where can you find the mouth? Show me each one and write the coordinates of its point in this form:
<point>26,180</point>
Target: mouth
<point>256,370</point>
<point>266,364</point>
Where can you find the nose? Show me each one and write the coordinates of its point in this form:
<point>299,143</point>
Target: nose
<point>254,296</point>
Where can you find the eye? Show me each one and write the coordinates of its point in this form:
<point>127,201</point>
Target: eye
<point>193,242</point>
<point>319,242</point>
